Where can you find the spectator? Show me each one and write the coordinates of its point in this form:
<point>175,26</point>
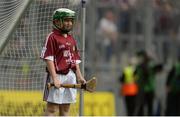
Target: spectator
<point>164,18</point>
<point>173,90</point>
<point>124,17</point>
<point>145,73</point>
<point>129,88</point>
<point>109,33</point>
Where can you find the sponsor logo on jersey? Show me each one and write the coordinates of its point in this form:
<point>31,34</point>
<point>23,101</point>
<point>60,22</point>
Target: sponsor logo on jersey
<point>61,46</point>
<point>66,53</point>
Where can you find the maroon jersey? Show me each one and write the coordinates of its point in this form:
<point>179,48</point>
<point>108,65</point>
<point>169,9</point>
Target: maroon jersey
<point>63,51</point>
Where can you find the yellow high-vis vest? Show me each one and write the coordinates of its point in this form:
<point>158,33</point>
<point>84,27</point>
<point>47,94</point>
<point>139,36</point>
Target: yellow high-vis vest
<point>129,88</point>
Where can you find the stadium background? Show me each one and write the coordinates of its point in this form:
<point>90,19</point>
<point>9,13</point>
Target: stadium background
<point>138,27</point>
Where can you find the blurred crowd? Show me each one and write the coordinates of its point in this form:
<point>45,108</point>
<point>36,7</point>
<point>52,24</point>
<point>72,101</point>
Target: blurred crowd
<point>121,30</point>
<point>138,87</point>
<point>119,27</point>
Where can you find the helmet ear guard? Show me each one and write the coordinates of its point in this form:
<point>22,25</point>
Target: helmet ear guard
<point>59,26</point>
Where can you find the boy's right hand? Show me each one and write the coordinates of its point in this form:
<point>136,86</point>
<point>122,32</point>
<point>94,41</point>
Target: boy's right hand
<point>57,83</point>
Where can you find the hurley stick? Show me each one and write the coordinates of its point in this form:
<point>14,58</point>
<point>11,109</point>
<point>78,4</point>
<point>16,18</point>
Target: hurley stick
<point>89,86</point>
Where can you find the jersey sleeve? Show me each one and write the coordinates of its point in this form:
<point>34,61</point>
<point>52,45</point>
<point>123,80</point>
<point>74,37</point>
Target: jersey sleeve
<point>48,49</point>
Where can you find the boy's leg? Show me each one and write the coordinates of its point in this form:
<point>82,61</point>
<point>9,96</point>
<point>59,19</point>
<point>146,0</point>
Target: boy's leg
<point>64,109</point>
<point>51,109</point>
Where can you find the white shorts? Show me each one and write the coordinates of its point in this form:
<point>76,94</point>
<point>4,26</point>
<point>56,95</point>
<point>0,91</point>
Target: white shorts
<point>61,95</point>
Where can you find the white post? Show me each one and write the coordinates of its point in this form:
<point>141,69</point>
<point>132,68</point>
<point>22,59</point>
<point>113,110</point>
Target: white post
<point>83,19</point>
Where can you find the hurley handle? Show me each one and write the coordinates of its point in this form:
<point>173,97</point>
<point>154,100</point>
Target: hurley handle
<point>65,85</point>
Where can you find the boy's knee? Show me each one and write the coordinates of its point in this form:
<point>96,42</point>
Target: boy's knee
<point>51,109</point>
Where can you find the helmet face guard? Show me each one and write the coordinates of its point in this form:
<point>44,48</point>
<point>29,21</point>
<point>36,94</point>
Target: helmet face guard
<point>61,14</point>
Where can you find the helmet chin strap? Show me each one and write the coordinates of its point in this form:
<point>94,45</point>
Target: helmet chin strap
<point>63,31</point>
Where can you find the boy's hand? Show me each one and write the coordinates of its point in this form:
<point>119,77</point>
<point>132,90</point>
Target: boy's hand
<point>57,83</point>
<point>82,80</point>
